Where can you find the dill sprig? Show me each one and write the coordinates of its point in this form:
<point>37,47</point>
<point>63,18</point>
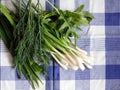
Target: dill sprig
<point>33,35</point>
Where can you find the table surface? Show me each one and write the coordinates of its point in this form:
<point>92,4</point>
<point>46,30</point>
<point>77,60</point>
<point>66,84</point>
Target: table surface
<point>102,41</point>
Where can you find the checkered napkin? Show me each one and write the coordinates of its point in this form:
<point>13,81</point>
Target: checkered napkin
<point>101,40</point>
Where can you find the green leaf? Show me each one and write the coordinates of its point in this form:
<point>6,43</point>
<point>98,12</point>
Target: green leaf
<point>37,33</point>
<point>6,27</point>
<point>88,15</point>
<point>84,21</point>
<point>79,9</point>
<point>63,26</point>
<point>3,36</point>
<point>6,13</point>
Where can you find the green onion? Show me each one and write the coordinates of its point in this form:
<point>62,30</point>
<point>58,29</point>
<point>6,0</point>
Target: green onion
<point>33,35</point>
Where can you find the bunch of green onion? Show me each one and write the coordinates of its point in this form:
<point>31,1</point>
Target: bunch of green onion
<point>32,35</point>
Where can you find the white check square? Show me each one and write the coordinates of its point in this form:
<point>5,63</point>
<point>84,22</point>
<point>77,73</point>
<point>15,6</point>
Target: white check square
<point>97,6</point>
<point>97,31</point>
<point>67,85</point>
<point>99,57</point>
<point>6,59</point>
<point>67,4</point>
<point>97,84</point>
<point>7,85</point>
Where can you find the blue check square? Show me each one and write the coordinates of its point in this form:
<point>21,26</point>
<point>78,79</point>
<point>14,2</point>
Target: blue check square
<point>112,44</point>
<point>7,73</point>
<point>99,19</point>
<point>112,31</point>
<point>82,75</point>
<point>49,85</point>
<point>112,71</point>
<point>113,84</point>
<point>112,58</point>
<point>22,85</point>
<point>112,6</point>
<point>112,19</point>
<point>98,72</point>
<point>82,85</point>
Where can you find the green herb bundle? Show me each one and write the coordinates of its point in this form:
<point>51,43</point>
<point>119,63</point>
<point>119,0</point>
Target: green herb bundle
<point>32,35</point>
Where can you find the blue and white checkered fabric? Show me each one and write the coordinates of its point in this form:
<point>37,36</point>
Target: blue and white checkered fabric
<point>102,41</point>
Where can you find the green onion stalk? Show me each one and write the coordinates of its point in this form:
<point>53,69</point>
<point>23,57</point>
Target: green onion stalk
<point>33,35</point>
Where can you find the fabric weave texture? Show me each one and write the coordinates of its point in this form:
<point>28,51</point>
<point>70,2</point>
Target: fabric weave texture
<point>101,40</point>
